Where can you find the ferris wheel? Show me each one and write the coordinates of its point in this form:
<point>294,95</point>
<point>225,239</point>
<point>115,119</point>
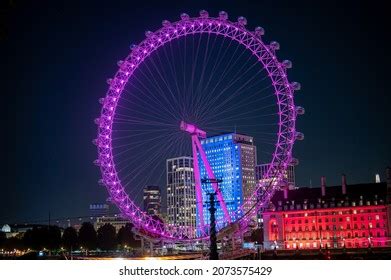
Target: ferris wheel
<point>191,79</point>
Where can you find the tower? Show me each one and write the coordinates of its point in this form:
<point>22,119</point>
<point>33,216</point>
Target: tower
<point>232,158</point>
<point>181,200</point>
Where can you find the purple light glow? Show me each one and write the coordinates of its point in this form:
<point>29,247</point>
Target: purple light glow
<point>283,91</point>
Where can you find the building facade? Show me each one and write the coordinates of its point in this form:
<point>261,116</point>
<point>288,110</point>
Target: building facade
<point>289,176</point>
<point>232,158</point>
<point>347,216</point>
<point>152,200</point>
<point>181,199</point>
<point>116,221</point>
<point>99,210</point>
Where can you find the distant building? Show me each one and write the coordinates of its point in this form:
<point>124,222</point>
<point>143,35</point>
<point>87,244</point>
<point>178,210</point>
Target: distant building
<point>152,200</point>
<point>6,229</point>
<point>289,176</point>
<point>18,230</point>
<point>117,221</point>
<point>232,158</point>
<point>181,200</point>
<point>351,216</point>
<point>99,209</point>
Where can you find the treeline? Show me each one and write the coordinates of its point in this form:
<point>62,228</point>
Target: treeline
<point>50,238</point>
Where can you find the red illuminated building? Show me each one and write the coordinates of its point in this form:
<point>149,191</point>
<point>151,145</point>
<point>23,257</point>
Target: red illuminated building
<point>350,216</point>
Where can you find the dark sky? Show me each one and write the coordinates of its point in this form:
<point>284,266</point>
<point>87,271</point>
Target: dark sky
<point>57,55</point>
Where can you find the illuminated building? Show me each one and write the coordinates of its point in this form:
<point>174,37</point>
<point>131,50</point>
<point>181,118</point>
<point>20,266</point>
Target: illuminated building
<point>181,201</point>
<point>232,158</point>
<point>289,176</point>
<point>350,216</point>
<point>152,200</point>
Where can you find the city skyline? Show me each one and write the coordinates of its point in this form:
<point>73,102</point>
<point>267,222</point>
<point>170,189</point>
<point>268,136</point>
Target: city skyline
<point>42,170</point>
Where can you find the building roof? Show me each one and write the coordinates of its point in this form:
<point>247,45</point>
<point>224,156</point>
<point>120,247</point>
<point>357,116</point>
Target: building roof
<point>333,195</point>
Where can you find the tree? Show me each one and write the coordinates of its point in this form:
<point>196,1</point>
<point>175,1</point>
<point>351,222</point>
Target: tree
<point>3,239</point>
<point>13,243</point>
<point>87,236</point>
<point>41,237</point>
<point>126,237</point>
<point>53,240</point>
<point>69,238</point>
<point>107,237</point>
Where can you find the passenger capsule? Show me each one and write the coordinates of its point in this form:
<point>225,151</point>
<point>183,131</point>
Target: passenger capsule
<point>287,64</point>
<point>97,162</point>
<point>274,45</point>
<point>97,121</point>
<point>204,14</point>
<point>166,23</point>
<point>148,34</point>
<point>299,136</point>
<point>296,86</point>
<point>300,110</point>
<point>95,142</point>
<point>259,31</point>
<point>294,162</point>
<point>242,21</point>
<point>101,100</point>
<point>133,46</point>
<point>109,81</point>
<point>223,15</point>
<point>184,16</point>
<point>101,182</point>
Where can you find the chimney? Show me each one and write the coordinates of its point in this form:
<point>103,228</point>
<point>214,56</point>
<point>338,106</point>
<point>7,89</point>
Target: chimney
<point>343,184</point>
<point>323,185</point>
<point>286,192</point>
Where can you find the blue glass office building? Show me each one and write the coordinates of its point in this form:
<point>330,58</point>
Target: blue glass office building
<point>232,158</point>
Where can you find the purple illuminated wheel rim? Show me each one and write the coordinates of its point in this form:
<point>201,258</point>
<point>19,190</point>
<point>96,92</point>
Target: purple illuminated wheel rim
<point>220,26</point>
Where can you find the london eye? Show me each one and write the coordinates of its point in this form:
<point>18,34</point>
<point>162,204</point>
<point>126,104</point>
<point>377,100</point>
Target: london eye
<point>187,90</point>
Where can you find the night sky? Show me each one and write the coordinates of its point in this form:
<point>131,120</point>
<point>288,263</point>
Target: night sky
<point>57,55</point>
